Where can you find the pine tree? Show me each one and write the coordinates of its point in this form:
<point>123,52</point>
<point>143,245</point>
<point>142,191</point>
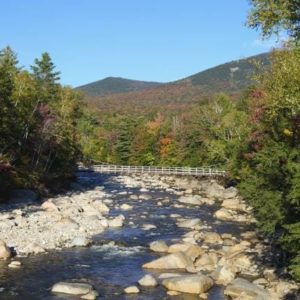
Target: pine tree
<point>46,77</point>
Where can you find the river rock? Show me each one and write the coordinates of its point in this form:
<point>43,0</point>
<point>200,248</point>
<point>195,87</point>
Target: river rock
<point>4,250</point>
<point>215,190</point>
<point>177,260</point>
<point>223,275</point>
<point>126,207</point>
<point>270,274</point>
<point>223,215</point>
<point>191,223</point>
<point>50,206</point>
<point>159,246</point>
<point>91,295</point>
<point>149,226</point>
<point>71,288</point>
<point>81,241</point>
<point>131,290</point>
<point>15,264</point>
<point>194,200</point>
<point>230,193</point>
<point>207,261</point>
<point>145,197</point>
<point>234,204</point>
<point>193,284</point>
<point>179,247</point>
<point>194,251</point>
<point>242,262</point>
<point>116,222</point>
<point>101,206</point>
<point>212,238</point>
<point>148,280</point>
<point>243,288</point>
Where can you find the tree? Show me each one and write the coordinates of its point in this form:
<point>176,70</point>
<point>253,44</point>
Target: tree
<point>8,71</point>
<point>46,77</point>
<point>273,16</point>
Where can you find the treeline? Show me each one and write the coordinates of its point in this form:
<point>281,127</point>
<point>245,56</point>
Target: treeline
<point>39,136</point>
<point>256,139</point>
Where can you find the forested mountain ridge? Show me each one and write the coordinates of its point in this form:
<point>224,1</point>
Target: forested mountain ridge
<point>118,95</point>
<point>229,77</point>
<point>112,85</point>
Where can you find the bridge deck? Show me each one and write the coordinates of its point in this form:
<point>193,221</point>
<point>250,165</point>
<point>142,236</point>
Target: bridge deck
<point>154,170</point>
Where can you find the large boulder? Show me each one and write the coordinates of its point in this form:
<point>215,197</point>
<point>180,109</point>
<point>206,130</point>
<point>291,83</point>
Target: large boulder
<point>243,288</point>
<point>159,246</point>
<point>179,247</point>
<point>148,280</point>
<point>71,288</point>
<point>4,250</point>
<point>223,215</point>
<point>194,200</point>
<point>193,284</point>
<point>177,260</point>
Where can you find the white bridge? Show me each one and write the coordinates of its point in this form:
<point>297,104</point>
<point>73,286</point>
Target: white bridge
<point>116,169</point>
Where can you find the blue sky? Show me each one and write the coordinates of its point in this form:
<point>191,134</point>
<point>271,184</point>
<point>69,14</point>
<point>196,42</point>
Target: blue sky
<point>157,40</point>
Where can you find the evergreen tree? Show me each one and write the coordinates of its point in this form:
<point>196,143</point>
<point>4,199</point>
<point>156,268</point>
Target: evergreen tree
<point>46,77</point>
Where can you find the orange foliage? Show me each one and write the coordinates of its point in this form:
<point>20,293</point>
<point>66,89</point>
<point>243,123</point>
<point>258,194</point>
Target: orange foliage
<point>165,146</point>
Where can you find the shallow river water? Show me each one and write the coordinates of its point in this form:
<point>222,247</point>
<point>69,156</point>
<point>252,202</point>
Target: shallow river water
<point>114,261</point>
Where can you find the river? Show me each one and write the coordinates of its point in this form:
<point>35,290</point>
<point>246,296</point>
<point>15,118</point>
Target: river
<point>114,261</point>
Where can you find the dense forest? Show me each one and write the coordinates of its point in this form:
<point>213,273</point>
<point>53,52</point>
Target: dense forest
<point>39,136</point>
<point>45,129</point>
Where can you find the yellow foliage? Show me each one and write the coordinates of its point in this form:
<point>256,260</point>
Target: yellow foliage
<point>287,132</point>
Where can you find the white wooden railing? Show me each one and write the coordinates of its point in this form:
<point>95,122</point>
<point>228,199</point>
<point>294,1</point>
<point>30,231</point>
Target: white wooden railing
<point>206,171</point>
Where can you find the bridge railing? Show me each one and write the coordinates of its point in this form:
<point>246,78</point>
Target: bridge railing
<point>204,171</point>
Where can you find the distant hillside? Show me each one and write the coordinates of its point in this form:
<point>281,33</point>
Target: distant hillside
<point>229,77</point>
<point>115,85</point>
<point>118,95</point>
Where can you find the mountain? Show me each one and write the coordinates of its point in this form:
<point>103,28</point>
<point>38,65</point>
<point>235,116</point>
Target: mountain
<point>115,85</point>
<point>228,77</point>
<point>119,95</point>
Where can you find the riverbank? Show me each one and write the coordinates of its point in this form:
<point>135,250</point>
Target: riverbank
<point>208,230</point>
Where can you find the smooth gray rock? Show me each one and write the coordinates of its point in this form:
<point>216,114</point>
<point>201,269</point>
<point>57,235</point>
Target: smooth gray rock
<point>72,288</point>
<point>241,286</point>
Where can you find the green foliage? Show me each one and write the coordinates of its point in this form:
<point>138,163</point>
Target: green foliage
<point>273,16</point>
<point>38,125</point>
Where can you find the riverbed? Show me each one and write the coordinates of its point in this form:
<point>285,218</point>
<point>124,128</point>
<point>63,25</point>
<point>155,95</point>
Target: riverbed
<point>115,259</point>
